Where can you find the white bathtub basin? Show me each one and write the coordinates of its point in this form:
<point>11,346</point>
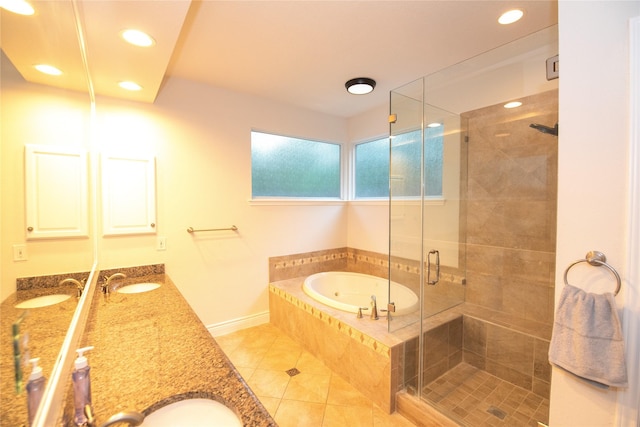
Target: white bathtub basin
<point>193,413</point>
<point>43,301</point>
<point>347,291</point>
<point>138,288</point>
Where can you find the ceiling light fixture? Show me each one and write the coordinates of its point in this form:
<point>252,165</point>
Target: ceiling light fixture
<point>138,38</point>
<point>360,85</point>
<point>130,86</point>
<point>510,16</point>
<point>434,125</point>
<point>513,104</point>
<point>21,7</point>
<point>48,69</point>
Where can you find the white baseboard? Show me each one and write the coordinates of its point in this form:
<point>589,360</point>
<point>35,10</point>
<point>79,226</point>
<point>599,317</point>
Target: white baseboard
<point>233,325</point>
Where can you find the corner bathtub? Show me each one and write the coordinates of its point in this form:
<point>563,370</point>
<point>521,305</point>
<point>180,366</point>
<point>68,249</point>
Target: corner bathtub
<point>348,291</point>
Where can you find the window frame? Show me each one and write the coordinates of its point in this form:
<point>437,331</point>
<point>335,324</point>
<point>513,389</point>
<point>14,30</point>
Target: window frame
<point>296,200</point>
<point>352,174</point>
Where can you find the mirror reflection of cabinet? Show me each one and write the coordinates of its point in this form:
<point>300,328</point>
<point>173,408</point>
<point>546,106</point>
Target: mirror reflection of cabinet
<point>128,194</point>
<point>56,190</point>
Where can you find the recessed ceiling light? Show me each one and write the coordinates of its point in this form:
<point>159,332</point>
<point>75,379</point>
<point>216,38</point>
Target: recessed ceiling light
<point>138,38</point>
<point>48,69</point>
<point>360,85</point>
<point>510,16</point>
<point>21,7</point>
<point>513,104</point>
<point>130,86</point>
<point>434,125</point>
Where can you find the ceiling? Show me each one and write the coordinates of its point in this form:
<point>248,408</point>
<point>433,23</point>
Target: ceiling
<point>295,52</point>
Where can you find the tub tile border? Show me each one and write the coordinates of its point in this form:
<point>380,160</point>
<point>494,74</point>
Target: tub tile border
<point>336,324</point>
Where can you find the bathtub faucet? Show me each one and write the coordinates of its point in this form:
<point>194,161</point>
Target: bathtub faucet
<point>374,308</point>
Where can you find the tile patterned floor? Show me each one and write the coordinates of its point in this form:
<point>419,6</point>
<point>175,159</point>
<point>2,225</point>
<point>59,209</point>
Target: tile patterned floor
<point>311,395</point>
<point>480,399</point>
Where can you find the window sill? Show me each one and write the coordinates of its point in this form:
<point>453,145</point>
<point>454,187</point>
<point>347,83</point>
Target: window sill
<point>296,202</point>
<point>431,201</point>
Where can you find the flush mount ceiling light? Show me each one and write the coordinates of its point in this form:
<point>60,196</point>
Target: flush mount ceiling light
<point>360,85</point>
<point>513,104</point>
<point>138,38</point>
<point>130,86</point>
<point>510,16</point>
<point>21,7</point>
<point>434,125</point>
<point>48,69</point>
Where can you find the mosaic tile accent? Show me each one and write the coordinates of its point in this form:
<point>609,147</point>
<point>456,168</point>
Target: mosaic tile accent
<point>349,259</point>
<point>334,323</point>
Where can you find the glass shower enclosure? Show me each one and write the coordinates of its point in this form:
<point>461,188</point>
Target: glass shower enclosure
<point>472,217</point>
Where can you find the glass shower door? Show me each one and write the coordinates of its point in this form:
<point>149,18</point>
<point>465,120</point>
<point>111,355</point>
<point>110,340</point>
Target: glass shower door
<point>427,174</point>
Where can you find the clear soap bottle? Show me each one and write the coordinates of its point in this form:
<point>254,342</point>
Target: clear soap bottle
<point>35,388</point>
<point>81,386</point>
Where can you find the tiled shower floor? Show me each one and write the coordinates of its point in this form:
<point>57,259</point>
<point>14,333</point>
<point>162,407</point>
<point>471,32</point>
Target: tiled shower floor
<point>479,399</point>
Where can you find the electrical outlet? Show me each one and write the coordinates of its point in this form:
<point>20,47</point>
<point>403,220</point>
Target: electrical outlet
<point>19,252</point>
<point>161,245</point>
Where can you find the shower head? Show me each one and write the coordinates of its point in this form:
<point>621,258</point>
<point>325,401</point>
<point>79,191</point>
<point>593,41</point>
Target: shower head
<point>545,129</point>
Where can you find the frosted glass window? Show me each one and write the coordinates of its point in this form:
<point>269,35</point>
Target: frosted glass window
<point>290,167</point>
<point>406,152</point>
<point>372,169</point>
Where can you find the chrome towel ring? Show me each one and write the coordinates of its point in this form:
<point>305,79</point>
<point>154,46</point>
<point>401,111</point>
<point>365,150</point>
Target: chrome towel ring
<point>597,259</point>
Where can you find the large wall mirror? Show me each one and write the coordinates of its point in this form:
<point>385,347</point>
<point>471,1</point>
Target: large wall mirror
<point>50,112</point>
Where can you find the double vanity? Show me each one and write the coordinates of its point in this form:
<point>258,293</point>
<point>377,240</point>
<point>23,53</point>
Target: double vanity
<point>152,355</point>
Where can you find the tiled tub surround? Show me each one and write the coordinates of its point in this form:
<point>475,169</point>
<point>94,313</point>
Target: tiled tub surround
<point>46,328</point>
<point>359,350</point>
<point>151,350</point>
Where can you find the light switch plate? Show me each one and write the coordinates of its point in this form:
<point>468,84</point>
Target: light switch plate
<point>20,252</point>
<point>161,244</point>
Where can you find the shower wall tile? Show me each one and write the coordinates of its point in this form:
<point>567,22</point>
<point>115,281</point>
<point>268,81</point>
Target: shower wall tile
<point>475,336</point>
<point>442,349</point>
<point>510,349</point>
<point>510,209</point>
<point>509,374</point>
<point>541,365</point>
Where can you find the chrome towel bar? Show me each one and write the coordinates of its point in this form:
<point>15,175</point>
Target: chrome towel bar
<point>597,259</point>
<point>193,230</point>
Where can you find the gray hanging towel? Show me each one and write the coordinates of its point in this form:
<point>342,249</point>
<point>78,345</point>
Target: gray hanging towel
<point>587,338</point>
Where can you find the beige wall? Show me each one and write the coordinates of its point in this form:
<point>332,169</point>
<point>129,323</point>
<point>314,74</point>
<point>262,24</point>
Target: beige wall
<point>592,176</point>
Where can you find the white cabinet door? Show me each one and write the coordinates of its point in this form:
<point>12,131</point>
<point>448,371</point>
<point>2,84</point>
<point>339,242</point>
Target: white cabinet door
<point>128,195</point>
<point>56,187</point>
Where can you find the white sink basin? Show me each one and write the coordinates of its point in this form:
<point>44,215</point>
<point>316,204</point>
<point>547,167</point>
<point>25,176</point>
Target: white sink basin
<point>193,413</point>
<point>138,288</point>
<point>43,301</point>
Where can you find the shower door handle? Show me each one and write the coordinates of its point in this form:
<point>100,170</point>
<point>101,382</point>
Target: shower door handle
<point>437,279</point>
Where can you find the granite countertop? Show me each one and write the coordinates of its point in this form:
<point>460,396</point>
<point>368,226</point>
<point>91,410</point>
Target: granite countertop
<point>152,350</point>
<point>46,328</point>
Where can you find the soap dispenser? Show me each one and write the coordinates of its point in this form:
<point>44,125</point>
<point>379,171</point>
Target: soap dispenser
<point>35,388</point>
<point>81,386</point>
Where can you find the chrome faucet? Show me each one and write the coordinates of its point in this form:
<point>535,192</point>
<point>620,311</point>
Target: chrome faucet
<point>131,417</point>
<point>374,308</point>
<point>107,281</point>
<point>79,285</point>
